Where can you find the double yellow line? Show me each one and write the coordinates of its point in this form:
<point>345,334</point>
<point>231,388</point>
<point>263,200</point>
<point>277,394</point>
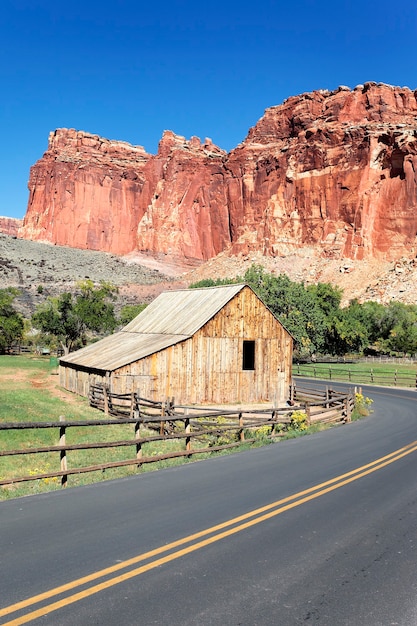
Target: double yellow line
<point>186,545</point>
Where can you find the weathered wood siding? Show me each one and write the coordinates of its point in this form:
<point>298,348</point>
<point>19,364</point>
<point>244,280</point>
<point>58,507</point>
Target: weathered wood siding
<point>207,368</point>
<point>79,379</point>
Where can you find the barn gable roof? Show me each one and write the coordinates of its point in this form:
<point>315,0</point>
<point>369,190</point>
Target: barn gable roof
<point>184,311</point>
<point>172,317</point>
<point>119,349</point>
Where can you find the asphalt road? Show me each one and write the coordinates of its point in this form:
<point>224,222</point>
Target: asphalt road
<point>316,530</point>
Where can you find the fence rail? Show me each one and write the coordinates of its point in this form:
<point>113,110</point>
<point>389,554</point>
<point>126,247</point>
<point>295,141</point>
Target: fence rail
<point>359,377</point>
<point>197,431</point>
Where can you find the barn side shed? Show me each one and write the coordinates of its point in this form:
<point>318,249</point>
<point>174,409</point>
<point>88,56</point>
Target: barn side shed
<point>207,346</point>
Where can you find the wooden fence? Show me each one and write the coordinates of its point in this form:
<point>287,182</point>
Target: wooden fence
<point>362,377</point>
<point>195,431</point>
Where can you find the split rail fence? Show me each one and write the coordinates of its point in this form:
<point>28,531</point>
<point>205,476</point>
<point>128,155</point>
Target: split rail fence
<point>195,430</point>
<point>350,375</point>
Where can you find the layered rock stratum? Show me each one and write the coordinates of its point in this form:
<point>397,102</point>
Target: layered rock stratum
<point>10,225</point>
<point>334,172</point>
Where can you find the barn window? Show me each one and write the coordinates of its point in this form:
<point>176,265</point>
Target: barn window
<point>248,355</point>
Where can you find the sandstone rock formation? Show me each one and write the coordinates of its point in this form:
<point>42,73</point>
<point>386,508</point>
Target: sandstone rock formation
<point>10,225</point>
<point>83,192</point>
<point>336,171</point>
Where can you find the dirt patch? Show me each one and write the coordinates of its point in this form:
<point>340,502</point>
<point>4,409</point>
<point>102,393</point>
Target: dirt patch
<point>49,381</point>
<point>51,384</point>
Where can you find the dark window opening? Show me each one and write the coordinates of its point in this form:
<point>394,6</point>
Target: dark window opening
<point>248,355</point>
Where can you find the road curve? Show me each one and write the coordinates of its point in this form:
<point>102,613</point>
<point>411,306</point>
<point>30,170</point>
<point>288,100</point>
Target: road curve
<point>320,529</point>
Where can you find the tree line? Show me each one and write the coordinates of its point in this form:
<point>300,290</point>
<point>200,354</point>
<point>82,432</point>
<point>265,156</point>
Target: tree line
<point>312,314</point>
<point>66,322</point>
<point>319,325</point>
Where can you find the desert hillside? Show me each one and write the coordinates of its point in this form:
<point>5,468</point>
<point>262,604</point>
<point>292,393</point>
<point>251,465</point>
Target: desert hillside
<point>39,270</point>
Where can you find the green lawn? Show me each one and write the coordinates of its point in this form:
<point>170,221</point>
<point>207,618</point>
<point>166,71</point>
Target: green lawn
<point>360,373</point>
<point>28,388</point>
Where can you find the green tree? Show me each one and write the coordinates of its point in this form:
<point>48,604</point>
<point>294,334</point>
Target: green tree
<point>345,333</point>
<point>294,305</point>
<point>68,317</point>
<point>215,282</point>
<point>327,297</point>
<point>370,314</point>
<point>11,322</point>
<point>129,312</point>
<point>400,328</point>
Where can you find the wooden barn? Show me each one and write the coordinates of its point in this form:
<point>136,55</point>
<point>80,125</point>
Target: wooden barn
<point>200,346</point>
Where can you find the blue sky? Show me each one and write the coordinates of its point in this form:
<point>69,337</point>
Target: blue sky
<point>128,70</point>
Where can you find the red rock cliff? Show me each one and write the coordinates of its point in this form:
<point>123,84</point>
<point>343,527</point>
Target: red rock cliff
<point>83,193</point>
<point>334,170</point>
<point>10,225</point>
<point>185,209</point>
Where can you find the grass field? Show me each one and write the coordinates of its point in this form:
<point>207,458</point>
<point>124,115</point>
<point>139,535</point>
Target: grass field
<point>360,373</point>
<point>29,392</point>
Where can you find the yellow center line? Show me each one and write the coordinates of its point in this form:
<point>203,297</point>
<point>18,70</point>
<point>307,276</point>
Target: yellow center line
<point>260,515</point>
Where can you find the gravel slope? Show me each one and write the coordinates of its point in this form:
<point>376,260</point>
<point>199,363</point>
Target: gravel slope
<point>32,267</point>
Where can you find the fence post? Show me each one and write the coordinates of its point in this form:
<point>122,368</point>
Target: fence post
<point>106,400</point>
<point>162,426</point>
<point>132,405</point>
<point>63,453</point>
<point>327,397</point>
<point>273,420</point>
<point>241,431</point>
<point>307,412</point>
<point>187,430</point>
<point>293,390</point>
<point>138,443</point>
<point>136,403</point>
<point>347,409</point>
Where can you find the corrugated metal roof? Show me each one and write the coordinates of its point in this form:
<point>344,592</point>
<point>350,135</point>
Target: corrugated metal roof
<point>182,312</point>
<point>120,349</point>
<point>172,317</point>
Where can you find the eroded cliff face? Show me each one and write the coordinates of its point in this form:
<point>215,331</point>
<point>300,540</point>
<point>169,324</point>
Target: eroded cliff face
<point>83,193</point>
<point>10,225</point>
<point>185,209</point>
<point>335,171</point>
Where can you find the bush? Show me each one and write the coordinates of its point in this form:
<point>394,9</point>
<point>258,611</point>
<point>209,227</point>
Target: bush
<point>362,406</point>
<point>298,421</point>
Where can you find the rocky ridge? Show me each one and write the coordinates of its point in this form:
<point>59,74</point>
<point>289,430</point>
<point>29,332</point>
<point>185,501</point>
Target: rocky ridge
<point>323,188</point>
<point>10,225</point>
<point>331,170</point>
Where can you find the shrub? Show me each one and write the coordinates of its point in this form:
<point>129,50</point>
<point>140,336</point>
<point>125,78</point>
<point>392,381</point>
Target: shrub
<point>362,406</point>
<point>298,421</point>
<point>261,433</point>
